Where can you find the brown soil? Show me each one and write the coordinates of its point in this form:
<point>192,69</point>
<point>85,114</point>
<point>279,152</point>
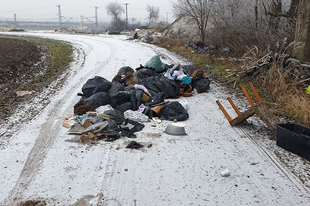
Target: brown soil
<point>21,62</point>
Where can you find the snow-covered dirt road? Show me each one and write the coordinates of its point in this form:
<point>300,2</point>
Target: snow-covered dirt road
<point>40,161</point>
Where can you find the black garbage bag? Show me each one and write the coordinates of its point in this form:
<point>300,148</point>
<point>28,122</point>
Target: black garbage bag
<point>168,66</point>
<point>137,126</point>
<point>134,145</point>
<point>174,110</point>
<point>170,88</point>
<point>144,73</point>
<point>125,70</point>
<point>156,98</point>
<point>125,106</point>
<point>95,85</point>
<point>80,108</point>
<point>189,69</point>
<point>133,98</point>
<point>112,131</point>
<point>115,115</point>
<point>97,100</point>
<point>126,132</point>
<point>136,36</point>
<point>139,94</point>
<point>115,87</point>
<point>120,98</point>
<point>201,84</point>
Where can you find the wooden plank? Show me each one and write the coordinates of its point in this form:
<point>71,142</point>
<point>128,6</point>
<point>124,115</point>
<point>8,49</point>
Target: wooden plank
<point>267,117</point>
<point>243,116</point>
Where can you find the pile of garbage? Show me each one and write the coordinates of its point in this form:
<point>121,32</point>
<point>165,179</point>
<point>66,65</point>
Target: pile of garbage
<point>147,37</point>
<point>202,48</point>
<point>112,109</point>
<point>284,63</point>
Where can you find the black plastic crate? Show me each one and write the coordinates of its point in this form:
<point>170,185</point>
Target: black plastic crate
<point>294,138</point>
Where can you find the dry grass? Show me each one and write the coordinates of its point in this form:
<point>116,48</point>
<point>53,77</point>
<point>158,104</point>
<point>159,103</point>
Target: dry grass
<point>289,94</point>
<point>173,44</point>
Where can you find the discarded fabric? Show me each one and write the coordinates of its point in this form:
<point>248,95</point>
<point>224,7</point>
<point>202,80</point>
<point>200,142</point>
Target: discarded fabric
<point>134,145</point>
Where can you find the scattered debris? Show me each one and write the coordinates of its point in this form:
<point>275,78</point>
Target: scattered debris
<point>134,145</point>
<point>284,63</point>
<point>254,163</point>
<point>69,121</point>
<point>225,173</point>
<point>114,32</point>
<point>77,129</point>
<point>86,138</point>
<point>33,203</point>
<point>24,93</point>
<point>201,47</point>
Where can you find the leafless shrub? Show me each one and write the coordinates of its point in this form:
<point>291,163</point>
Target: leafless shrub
<point>161,26</point>
<point>173,42</point>
<point>287,89</point>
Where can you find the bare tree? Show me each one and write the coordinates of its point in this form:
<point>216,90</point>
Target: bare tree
<point>133,24</point>
<point>256,13</point>
<point>153,14</point>
<point>302,34</point>
<point>292,12</point>
<point>199,10</point>
<point>115,10</point>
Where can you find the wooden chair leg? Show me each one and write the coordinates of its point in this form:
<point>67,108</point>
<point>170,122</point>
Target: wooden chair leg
<point>246,94</point>
<point>233,106</point>
<point>223,110</point>
<point>259,100</point>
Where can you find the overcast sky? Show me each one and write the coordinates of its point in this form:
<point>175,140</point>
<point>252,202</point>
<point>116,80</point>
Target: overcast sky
<point>42,10</point>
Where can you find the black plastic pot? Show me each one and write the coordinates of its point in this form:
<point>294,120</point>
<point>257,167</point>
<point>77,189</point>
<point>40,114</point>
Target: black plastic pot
<point>294,138</point>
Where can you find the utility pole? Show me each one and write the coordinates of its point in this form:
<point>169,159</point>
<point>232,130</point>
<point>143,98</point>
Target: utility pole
<point>82,21</point>
<point>96,15</point>
<point>59,15</point>
<point>15,22</point>
<point>126,16</point>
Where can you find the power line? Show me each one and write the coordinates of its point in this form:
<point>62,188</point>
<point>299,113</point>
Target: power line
<point>79,10</point>
<point>27,9</point>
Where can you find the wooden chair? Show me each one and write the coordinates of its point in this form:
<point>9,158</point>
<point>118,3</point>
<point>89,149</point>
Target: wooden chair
<point>255,108</point>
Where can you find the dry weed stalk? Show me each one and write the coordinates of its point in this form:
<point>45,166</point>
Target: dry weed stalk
<point>286,89</point>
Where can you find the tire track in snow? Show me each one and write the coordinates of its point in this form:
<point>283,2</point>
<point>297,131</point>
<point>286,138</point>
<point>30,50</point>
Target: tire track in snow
<point>48,134</point>
<point>239,160</point>
<point>230,151</point>
<point>275,161</point>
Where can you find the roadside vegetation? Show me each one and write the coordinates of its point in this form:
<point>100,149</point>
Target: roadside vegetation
<point>268,45</point>
<point>28,65</point>
<point>58,57</point>
<point>283,92</point>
